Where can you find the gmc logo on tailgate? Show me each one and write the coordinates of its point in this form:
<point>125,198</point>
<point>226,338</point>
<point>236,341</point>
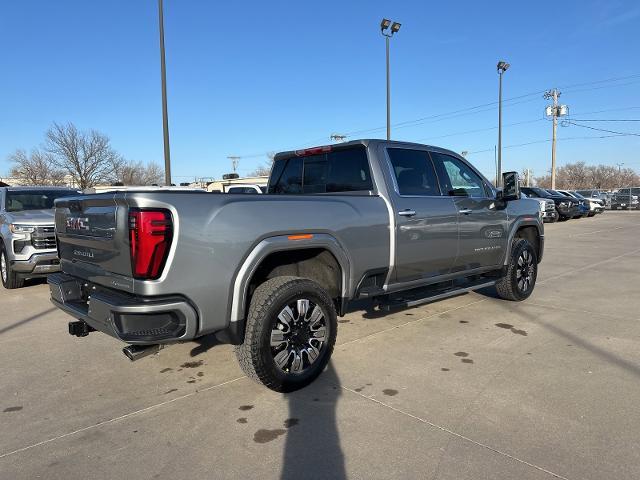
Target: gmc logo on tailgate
<point>77,223</point>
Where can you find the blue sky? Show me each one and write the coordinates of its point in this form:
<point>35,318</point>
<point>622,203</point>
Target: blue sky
<point>247,78</point>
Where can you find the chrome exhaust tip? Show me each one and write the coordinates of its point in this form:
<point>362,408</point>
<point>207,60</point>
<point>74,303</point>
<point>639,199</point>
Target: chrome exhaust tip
<point>136,352</point>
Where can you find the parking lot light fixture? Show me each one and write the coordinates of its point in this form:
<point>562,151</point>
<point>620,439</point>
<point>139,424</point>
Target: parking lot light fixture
<point>388,33</point>
<point>502,67</point>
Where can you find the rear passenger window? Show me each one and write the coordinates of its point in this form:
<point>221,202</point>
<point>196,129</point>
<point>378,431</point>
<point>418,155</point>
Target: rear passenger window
<point>414,172</point>
<point>345,170</point>
<point>286,176</point>
<point>456,177</point>
<point>349,171</point>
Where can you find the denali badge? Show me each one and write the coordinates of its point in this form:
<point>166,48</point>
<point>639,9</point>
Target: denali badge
<point>83,253</point>
<point>77,223</point>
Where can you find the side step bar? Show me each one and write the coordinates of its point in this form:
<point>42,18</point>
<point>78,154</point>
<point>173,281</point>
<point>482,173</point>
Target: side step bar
<point>413,300</point>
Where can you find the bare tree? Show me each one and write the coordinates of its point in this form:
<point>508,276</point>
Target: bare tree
<point>36,168</point>
<point>86,156</point>
<point>265,169</point>
<point>576,176</point>
<point>138,173</point>
<point>261,171</point>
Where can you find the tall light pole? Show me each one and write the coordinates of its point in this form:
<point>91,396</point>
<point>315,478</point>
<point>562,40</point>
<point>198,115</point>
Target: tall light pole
<point>388,33</point>
<point>165,119</point>
<point>502,67</point>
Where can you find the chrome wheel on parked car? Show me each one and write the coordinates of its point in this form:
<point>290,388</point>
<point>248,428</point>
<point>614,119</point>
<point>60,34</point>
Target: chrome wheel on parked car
<point>298,336</point>
<point>10,279</point>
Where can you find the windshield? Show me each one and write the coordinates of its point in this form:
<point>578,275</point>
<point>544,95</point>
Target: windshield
<point>537,191</point>
<point>17,201</point>
<point>576,194</point>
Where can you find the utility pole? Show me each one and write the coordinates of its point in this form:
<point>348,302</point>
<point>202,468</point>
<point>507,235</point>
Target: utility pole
<point>165,118</point>
<point>554,111</point>
<point>553,141</point>
<point>234,162</point>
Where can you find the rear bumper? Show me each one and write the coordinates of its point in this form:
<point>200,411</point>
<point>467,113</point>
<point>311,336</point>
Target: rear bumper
<point>132,319</point>
<point>37,264</point>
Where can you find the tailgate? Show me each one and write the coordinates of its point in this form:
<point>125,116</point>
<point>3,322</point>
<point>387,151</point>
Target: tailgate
<point>93,241</point>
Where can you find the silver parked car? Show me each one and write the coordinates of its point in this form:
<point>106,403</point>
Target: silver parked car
<point>27,234</point>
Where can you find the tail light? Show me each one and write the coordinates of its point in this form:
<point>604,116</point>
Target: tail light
<point>150,235</point>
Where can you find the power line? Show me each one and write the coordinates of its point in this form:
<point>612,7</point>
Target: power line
<point>485,107</point>
<point>603,86</point>
<point>610,110</point>
<point>614,79</point>
<point>603,130</point>
<point>547,140</point>
<point>481,129</point>
<point>491,104</point>
<point>607,120</point>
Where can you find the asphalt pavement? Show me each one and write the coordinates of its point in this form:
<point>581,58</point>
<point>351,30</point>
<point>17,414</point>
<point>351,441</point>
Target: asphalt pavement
<point>472,387</point>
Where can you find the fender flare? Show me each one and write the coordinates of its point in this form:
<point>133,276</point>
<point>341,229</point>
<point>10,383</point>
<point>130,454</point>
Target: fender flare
<point>523,222</point>
<point>281,243</point>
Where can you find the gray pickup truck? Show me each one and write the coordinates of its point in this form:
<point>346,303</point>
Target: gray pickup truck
<point>398,223</point>
<point>27,238</point>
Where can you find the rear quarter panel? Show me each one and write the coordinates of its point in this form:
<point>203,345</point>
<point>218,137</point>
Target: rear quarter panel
<point>215,233</point>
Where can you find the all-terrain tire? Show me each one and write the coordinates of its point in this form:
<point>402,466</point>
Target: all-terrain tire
<point>255,353</point>
<point>522,271</point>
<point>10,279</point>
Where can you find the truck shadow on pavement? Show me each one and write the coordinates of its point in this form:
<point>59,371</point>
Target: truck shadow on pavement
<point>204,345</point>
<point>26,320</point>
<point>576,340</point>
<point>312,447</point>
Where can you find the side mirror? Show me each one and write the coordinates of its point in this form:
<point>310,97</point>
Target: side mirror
<point>510,186</point>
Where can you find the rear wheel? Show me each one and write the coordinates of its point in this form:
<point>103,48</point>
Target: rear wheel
<point>290,334</point>
<point>522,271</point>
<point>10,279</point>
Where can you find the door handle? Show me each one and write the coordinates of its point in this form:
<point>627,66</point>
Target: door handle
<point>407,212</point>
<point>465,211</point>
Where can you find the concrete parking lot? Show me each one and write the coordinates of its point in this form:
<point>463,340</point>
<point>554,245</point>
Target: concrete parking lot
<point>471,387</point>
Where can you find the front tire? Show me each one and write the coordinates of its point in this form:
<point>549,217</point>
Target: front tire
<point>10,279</point>
<point>522,271</point>
<point>290,333</point>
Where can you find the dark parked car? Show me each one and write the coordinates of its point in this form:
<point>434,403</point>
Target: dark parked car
<point>626,198</point>
<point>567,207</point>
<point>582,207</point>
